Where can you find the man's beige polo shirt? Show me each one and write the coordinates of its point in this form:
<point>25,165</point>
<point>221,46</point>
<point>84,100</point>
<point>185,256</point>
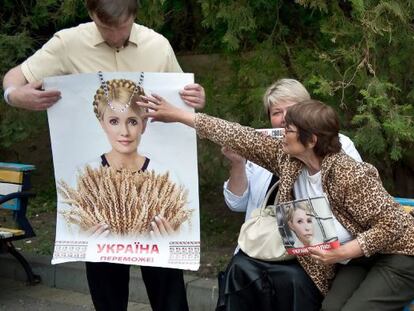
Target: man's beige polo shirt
<point>82,50</point>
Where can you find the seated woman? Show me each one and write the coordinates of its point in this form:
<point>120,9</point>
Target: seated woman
<point>377,234</point>
<point>290,288</point>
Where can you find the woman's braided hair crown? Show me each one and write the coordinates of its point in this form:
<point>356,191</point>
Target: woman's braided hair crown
<point>120,90</point>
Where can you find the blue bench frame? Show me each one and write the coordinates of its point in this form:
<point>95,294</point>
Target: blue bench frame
<point>16,203</point>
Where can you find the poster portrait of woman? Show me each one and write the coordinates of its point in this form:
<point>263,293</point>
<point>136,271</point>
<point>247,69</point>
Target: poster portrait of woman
<point>306,223</point>
<point>121,179</point>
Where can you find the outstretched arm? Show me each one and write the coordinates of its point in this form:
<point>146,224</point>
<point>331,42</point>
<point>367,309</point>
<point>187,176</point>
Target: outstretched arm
<point>252,145</point>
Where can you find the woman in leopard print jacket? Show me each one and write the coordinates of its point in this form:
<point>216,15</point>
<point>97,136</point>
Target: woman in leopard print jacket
<point>373,269</point>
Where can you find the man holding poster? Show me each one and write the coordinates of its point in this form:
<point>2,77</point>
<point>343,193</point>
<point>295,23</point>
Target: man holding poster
<point>112,42</point>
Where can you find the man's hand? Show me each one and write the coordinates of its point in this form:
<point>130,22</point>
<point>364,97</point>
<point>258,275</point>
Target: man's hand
<point>194,96</point>
<point>31,97</point>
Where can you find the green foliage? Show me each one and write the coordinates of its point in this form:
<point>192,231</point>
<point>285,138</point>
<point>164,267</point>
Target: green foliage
<point>14,48</point>
<point>315,4</point>
<point>24,27</point>
<point>384,126</point>
<point>356,55</point>
<point>151,13</point>
<point>45,200</point>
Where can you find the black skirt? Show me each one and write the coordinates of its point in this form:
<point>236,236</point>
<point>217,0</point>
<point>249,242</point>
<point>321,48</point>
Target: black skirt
<point>252,284</point>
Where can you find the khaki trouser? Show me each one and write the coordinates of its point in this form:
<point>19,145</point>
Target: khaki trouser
<point>380,283</point>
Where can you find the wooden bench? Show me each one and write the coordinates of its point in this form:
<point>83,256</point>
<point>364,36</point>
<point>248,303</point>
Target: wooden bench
<point>407,204</point>
<point>14,196</point>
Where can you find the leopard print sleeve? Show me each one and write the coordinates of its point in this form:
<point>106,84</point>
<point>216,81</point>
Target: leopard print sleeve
<point>381,219</point>
<point>249,143</point>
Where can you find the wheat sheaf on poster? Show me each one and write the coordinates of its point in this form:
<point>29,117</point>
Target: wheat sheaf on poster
<point>125,201</point>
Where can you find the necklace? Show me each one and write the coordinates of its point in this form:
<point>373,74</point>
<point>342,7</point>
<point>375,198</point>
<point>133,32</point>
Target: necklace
<point>135,166</point>
<point>104,85</point>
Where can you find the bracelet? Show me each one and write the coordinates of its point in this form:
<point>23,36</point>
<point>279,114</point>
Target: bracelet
<point>7,92</point>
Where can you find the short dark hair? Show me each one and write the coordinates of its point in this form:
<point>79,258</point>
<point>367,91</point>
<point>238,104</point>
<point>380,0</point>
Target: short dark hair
<point>111,12</point>
<point>314,117</point>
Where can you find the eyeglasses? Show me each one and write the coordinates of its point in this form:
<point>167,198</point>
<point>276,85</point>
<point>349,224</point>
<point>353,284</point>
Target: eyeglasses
<point>288,130</point>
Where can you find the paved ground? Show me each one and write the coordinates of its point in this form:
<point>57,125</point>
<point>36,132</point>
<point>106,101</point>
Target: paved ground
<point>16,296</point>
<point>64,287</point>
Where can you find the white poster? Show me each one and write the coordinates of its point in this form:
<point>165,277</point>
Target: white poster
<point>127,188</point>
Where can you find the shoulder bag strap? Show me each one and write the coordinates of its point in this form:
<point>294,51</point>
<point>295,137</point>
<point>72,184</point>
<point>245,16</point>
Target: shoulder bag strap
<point>265,203</point>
